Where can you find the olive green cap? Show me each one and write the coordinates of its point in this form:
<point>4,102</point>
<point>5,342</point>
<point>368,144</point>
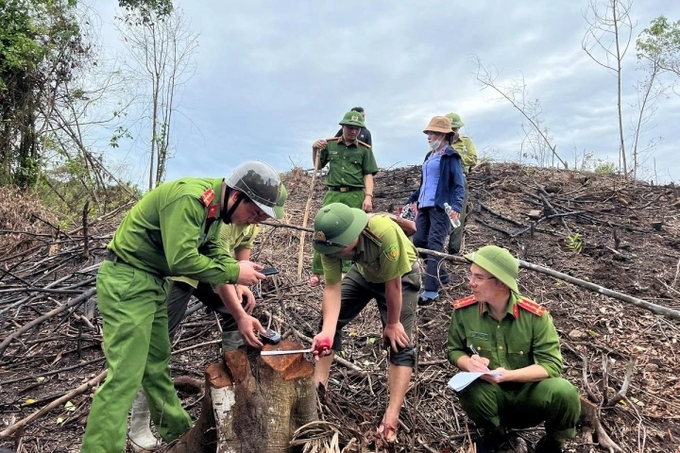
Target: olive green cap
<point>353,118</point>
<point>283,196</point>
<point>336,226</point>
<point>259,182</point>
<point>455,120</point>
<point>498,262</point>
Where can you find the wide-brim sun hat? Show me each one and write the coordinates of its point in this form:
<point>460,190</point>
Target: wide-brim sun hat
<point>439,124</point>
<point>498,262</point>
<point>336,226</point>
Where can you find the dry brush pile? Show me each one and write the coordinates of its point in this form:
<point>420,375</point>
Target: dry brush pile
<point>601,229</point>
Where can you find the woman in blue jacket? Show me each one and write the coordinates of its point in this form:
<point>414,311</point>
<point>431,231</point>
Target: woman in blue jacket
<point>442,182</point>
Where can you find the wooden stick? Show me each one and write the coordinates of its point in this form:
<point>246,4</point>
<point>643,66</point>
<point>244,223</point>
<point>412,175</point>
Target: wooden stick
<point>306,216</point>
<point>82,389</point>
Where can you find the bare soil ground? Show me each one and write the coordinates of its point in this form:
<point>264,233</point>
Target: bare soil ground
<point>621,235</point>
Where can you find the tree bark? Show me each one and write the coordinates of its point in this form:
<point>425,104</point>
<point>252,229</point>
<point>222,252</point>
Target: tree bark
<point>253,403</point>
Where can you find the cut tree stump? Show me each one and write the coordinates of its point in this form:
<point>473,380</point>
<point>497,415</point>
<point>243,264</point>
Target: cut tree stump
<point>253,403</point>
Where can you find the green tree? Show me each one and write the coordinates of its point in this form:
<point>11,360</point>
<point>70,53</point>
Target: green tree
<point>660,44</point>
<point>146,11</point>
<point>40,50</point>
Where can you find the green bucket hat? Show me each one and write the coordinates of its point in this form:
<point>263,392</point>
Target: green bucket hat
<point>499,262</point>
<point>455,120</point>
<point>352,118</point>
<point>280,200</point>
<point>335,226</point>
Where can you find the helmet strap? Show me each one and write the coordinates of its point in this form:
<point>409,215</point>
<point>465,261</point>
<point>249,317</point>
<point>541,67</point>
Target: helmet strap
<point>226,213</point>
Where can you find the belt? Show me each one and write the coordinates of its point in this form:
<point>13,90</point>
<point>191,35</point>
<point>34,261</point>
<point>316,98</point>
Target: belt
<point>344,188</point>
<point>111,256</point>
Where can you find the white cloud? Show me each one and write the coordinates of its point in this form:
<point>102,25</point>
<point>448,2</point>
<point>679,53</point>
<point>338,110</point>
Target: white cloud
<point>274,76</point>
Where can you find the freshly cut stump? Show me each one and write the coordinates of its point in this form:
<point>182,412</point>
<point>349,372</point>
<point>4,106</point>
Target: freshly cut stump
<point>253,403</point>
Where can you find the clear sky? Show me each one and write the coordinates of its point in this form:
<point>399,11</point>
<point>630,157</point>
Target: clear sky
<point>273,76</point>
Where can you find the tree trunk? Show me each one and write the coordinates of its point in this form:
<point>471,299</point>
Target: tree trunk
<point>253,403</point>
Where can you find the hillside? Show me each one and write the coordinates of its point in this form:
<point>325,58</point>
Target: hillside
<point>601,228</point>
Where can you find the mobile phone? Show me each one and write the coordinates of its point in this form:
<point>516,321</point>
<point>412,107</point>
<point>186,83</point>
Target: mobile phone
<point>270,336</point>
<point>269,271</point>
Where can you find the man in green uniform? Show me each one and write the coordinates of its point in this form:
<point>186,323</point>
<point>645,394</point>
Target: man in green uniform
<point>351,167</point>
<point>468,155</point>
<point>497,330</point>
<point>173,230</point>
<point>237,240</point>
<point>384,269</point>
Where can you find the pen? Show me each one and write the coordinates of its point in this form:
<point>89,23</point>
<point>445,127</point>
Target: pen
<point>474,351</point>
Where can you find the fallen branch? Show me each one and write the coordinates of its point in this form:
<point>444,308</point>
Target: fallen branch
<point>654,308</point>
<point>82,389</point>
<point>72,303</point>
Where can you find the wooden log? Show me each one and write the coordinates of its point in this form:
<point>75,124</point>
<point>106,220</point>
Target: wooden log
<point>253,403</point>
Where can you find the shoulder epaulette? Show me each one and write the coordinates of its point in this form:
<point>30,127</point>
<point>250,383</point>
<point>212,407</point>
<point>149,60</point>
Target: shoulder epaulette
<point>372,237</point>
<point>207,197</point>
<point>464,302</point>
<point>332,139</point>
<point>531,307</point>
<point>365,144</point>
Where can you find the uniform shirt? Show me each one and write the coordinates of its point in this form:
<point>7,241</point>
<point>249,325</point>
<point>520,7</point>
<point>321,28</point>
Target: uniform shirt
<point>467,152</point>
<point>348,163</point>
<point>525,336</point>
<point>165,232</point>
<point>233,238</point>
<point>383,253</point>
<point>238,237</point>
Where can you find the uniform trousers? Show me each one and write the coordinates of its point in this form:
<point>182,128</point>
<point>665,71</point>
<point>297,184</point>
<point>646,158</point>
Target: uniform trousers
<point>357,292</point>
<point>495,407</point>
<point>133,306</point>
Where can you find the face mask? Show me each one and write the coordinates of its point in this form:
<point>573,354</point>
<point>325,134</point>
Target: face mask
<point>434,146</point>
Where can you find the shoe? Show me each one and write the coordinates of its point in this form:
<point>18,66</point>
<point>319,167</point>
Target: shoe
<point>547,445</point>
<point>428,298</point>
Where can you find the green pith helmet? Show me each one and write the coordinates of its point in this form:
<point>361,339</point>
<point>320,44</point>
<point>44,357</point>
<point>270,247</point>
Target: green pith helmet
<point>259,182</point>
<point>352,118</point>
<point>335,226</point>
<point>283,196</point>
<point>498,262</point>
<point>455,120</point>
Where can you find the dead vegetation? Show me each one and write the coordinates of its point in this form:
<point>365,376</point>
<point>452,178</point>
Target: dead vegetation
<point>621,235</point>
